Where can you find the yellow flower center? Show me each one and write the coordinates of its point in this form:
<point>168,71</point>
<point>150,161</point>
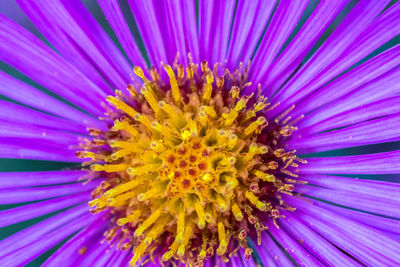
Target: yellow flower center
<point>191,167</point>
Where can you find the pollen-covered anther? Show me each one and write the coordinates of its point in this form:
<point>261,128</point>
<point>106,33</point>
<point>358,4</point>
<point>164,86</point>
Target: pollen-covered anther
<point>191,165</point>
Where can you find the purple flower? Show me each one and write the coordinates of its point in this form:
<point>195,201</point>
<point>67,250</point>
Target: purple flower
<point>210,151</point>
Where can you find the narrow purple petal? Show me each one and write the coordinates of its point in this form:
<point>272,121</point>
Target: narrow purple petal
<point>24,93</point>
<point>117,259</point>
<point>385,107</point>
<point>378,189</point>
<point>381,223</point>
<point>215,20</point>
<point>19,148</point>
<point>174,20</point>
<point>19,195</point>
<point>361,241</point>
<point>386,129</point>
<point>205,28</point>
<point>94,255</point>
<point>177,22</point>
<point>317,245</point>
<point>11,112</point>
<point>146,20</point>
<point>251,18</point>
<point>30,211</point>
<point>26,179</point>
<point>301,45</point>
<point>265,257</point>
<point>355,200</point>
<point>268,246</point>
<point>190,28</point>
<point>380,163</point>
<point>113,13</point>
<point>240,260</point>
<point>388,84</point>
<point>34,232</point>
<point>283,21</point>
<point>80,39</point>
<point>351,80</point>
<point>25,52</point>
<point>69,252</point>
<point>14,130</point>
<point>61,41</point>
<point>298,253</point>
<point>165,28</point>
<point>220,29</point>
<point>44,243</point>
<point>323,65</point>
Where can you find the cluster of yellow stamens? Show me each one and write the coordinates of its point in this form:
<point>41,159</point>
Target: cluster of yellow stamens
<point>191,167</point>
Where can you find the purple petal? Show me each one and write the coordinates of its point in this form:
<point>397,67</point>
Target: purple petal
<point>317,245</point>
<point>190,28</point>
<point>24,93</point>
<point>118,258</point>
<point>323,65</point>
<point>69,252</point>
<point>370,111</point>
<point>19,195</point>
<point>364,243</point>
<point>12,113</point>
<point>14,130</point>
<point>381,223</point>
<point>251,18</point>
<point>35,149</point>
<point>80,39</point>
<point>241,261</point>
<point>146,20</point>
<point>113,13</point>
<point>173,19</point>
<point>30,211</point>
<point>95,256</point>
<point>269,248</point>
<point>44,243</point>
<point>165,28</point>
<point>298,253</point>
<point>26,179</point>
<point>220,29</point>
<point>265,256</point>
<point>386,129</point>
<point>215,20</point>
<point>25,52</point>
<point>205,24</point>
<point>388,85</point>
<point>63,43</point>
<point>34,232</point>
<point>283,21</point>
<point>300,46</point>
<point>378,222</point>
<point>380,163</point>
<point>377,189</point>
<point>349,81</point>
<point>355,200</point>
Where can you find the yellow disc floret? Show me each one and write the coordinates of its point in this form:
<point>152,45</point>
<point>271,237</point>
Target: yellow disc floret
<point>190,167</point>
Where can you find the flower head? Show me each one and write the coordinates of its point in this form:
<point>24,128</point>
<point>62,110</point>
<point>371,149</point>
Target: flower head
<point>209,154</point>
<point>191,166</point>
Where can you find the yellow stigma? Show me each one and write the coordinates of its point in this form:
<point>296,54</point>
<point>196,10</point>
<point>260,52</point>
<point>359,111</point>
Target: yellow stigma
<point>188,164</point>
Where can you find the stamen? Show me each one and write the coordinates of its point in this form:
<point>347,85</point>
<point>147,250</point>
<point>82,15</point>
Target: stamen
<point>122,106</point>
<point>149,221</point>
<point>174,84</point>
<point>223,243</point>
